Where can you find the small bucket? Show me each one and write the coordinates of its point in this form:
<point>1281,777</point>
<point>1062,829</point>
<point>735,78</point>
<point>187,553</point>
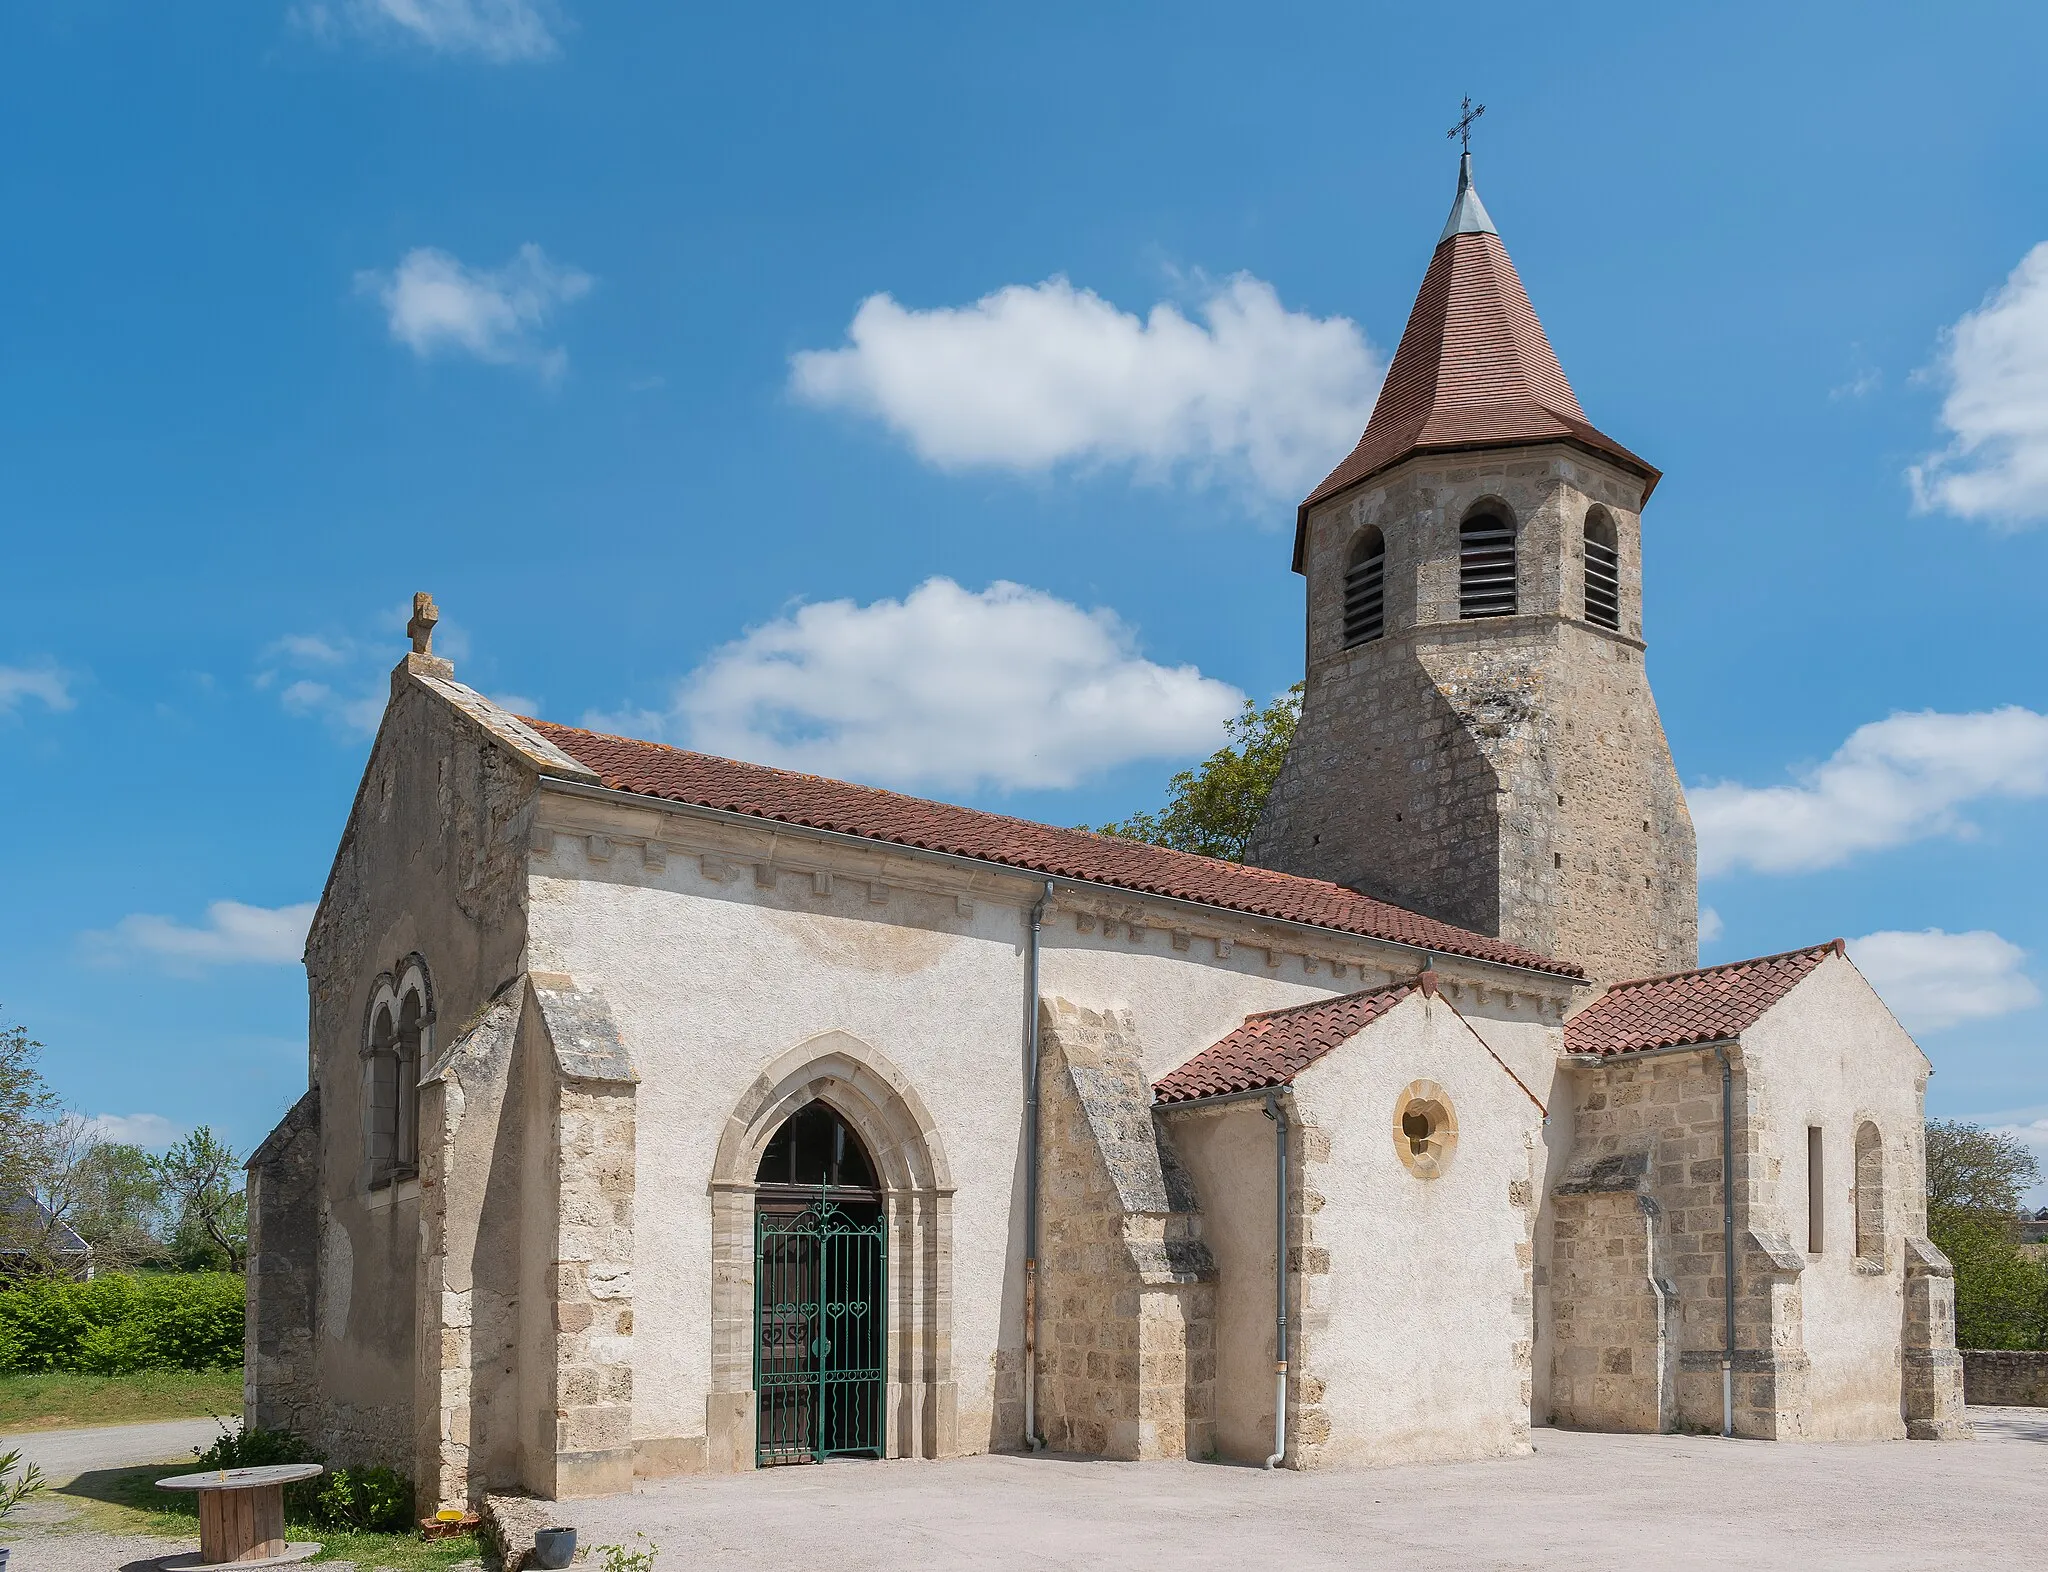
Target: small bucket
<point>553,1548</point>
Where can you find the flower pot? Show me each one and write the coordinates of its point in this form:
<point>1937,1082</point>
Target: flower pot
<point>553,1548</point>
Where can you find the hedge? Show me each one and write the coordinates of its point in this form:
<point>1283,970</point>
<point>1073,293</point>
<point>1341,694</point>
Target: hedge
<point>118,1323</point>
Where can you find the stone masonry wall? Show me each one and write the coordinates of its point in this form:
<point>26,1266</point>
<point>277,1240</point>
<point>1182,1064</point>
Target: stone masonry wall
<point>2006,1378</point>
<point>1509,775</point>
<point>280,1385</point>
<point>1613,1340</point>
<point>1647,1133</point>
<point>1127,1357</point>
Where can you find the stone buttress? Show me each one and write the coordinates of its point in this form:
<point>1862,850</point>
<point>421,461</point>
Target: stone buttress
<point>1127,1362</point>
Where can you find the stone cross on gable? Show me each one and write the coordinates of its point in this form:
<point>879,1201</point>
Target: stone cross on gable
<point>1463,129</point>
<point>421,629</point>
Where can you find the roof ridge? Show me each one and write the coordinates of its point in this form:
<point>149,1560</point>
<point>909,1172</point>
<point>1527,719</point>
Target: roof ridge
<point>1839,946</point>
<point>930,802</point>
<point>772,795</point>
<point>1387,990</point>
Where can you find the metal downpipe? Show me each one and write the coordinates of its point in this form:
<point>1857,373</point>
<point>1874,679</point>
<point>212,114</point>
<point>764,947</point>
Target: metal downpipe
<point>1033,1441</point>
<point>1727,1240</point>
<point>1279,1118</point>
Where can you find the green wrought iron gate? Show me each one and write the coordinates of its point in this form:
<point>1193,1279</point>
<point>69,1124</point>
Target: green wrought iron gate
<point>820,1305</point>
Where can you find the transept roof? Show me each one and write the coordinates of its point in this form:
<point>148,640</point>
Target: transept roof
<point>651,769</point>
<point>1474,368</point>
<point>1708,1005</point>
<point>1272,1048</point>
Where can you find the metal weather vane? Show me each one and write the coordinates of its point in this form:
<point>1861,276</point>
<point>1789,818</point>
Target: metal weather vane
<point>1463,129</point>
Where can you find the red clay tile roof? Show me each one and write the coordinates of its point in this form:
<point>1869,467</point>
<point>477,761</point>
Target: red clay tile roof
<point>652,770</point>
<point>1474,369</point>
<point>1690,1007</point>
<point>1273,1048</point>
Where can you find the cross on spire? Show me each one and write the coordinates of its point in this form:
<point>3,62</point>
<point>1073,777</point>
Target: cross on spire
<point>1463,129</point>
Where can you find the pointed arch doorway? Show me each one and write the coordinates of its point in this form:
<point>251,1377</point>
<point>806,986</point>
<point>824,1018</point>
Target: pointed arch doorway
<point>821,1294</point>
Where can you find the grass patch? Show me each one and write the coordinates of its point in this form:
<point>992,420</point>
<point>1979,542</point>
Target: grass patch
<point>61,1399</point>
<point>126,1501</point>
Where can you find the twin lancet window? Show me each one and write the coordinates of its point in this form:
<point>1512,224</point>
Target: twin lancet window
<point>394,1052</point>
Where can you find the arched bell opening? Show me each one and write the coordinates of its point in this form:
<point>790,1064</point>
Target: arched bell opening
<point>821,1294</point>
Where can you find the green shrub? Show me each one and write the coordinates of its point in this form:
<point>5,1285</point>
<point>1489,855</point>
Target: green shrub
<point>369,1500</point>
<point>120,1349</point>
<point>253,1449</point>
<point>374,1500</point>
<point>118,1323</point>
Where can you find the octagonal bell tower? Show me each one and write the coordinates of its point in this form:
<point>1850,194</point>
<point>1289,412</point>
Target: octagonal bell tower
<point>1478,740</point>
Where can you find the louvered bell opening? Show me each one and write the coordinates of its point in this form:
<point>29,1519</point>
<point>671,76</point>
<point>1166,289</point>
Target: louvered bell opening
<point>1486,568</point>
<point>1365,599</point>
<point>1603,585</point>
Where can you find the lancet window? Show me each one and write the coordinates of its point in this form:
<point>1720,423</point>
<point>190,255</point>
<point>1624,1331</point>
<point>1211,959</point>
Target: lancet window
<point>1603,571</point>
<point>1365,589</point>
<point>1486,564</point>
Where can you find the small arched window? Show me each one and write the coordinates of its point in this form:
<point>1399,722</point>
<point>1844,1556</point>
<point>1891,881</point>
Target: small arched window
<point>1486,564</point>
<point>1365,589</point>
<point>1603,571</point>
<point>1869,1195</point>
<point>395,1051</point>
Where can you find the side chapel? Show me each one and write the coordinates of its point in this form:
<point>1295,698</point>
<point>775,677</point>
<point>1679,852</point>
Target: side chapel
<point>670,1113</point>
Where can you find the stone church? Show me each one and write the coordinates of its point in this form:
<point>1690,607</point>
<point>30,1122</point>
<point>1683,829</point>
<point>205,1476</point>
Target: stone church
<point>670,1113</point>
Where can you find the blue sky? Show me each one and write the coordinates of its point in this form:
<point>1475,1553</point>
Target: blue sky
<point>569,314</point>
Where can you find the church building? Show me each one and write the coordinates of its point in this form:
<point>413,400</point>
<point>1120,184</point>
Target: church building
<point>670,1113</point>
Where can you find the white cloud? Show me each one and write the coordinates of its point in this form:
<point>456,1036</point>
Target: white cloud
<point>1034,376</point>
<point>500,31</point>
<point>433,302</point>
<point>2031,1126</point>
<point>1896,780</point>
<point>329,678</point>
<point>143,1129</point>
<point>517,703</point>
<point>233,934</point>
<point>1933,979</point>
<point>1995,365</point>
<point>1711,926</point>
<point>45,683</point>
<point>944,688</point>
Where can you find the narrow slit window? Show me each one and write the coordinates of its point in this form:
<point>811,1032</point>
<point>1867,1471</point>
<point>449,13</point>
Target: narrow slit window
<point>1603,571</point>
<point>1365,589</point>
<point>1816,1190</point>
<point>1870,1222</point>
<point>1486,566</point>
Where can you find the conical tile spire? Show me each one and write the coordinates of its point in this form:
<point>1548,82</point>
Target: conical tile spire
<point>1474,369</point>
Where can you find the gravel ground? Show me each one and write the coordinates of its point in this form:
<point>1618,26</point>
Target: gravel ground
<point>1677,1503</point>
<point>64,1454</point>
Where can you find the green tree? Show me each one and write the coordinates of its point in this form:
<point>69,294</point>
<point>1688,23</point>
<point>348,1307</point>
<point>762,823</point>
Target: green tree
<point>202,1180</point>
<point>25,1104</point>
<point>1975,1178</point>
<point>119,1208</point>
<point>1212,809</point>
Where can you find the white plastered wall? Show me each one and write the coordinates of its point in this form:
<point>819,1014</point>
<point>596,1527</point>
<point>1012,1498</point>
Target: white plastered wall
<point>1829,1054</point>
<point>1415,1330</point>
<point>713,975</point>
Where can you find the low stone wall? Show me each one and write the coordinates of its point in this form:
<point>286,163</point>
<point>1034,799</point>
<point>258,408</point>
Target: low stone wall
<point>2005,1378</point>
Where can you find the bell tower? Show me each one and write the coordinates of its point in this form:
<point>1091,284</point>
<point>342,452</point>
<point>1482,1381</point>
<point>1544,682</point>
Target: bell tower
<point>1478,741</point>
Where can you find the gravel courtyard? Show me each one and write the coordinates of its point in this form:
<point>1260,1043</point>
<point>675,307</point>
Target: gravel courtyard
<point>1585,1501</point>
